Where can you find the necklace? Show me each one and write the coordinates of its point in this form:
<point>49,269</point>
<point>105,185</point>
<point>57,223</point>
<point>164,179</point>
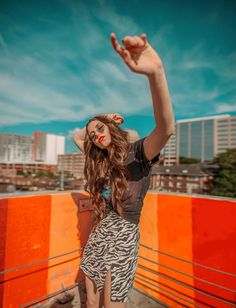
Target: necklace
<point>107,186</point>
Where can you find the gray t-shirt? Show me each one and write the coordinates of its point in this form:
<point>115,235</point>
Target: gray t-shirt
<point>139,168</point>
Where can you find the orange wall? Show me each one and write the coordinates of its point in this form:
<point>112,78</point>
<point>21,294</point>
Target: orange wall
<point>3,235</point>
<point>39,227</point>
<point>166,225</point>
<point>27,226</point>
<point>201,230</point>
<point>214,245</point>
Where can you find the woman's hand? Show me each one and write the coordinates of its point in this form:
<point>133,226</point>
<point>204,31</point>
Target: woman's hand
<point>138,54</point>
<point>116,117</point>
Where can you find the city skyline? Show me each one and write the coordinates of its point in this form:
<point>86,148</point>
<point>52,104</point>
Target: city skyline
<point>200,138</point>
<point>58,68</point>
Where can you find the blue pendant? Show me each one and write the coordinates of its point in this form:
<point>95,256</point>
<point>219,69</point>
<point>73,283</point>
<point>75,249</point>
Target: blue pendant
<point>106,192</point>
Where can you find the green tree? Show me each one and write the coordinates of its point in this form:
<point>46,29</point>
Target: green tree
<point>26,173</point>
<point>42,172</point>
<point>224,183</point>
<point>188,160</point>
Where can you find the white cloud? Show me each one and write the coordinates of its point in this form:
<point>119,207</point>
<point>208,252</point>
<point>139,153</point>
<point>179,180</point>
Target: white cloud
<point>190,91</point>
<point>111,70</point>
<point>43,80</point>
<point>3,44</point>
<point>226,107</point>
<point>39,86</point>
<point>73,131</point>
<point>120,23</point>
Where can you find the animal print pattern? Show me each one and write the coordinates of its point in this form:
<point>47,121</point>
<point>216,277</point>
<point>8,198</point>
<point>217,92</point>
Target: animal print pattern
<point>113,244</point>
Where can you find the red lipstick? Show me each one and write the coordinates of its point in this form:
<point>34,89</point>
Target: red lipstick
<point>101,138</point>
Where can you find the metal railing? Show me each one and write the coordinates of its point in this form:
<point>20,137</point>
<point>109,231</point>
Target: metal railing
<point>217,298</point>
<point>38,262</point>
<point>190,262</point>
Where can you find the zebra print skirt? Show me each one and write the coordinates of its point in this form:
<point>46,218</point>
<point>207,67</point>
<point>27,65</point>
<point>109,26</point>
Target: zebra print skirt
<point>113,244</point>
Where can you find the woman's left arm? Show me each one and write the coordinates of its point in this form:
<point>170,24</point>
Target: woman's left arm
<point>141,58</point>
<point>163,113</point>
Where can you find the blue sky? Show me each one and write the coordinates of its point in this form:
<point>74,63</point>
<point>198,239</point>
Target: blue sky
<point>58,69</point>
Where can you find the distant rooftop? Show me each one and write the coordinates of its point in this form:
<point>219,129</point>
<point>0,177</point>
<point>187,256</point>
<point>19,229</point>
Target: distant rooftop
<point>204,118</point>
<point>186,169</point>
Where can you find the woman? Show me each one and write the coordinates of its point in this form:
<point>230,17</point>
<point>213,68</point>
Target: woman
<point>117,175</point>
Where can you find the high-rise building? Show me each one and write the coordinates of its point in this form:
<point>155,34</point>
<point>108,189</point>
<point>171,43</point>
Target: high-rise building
<point>201,138</point>
<point>169,151</point>
<point>47,147</point>
<point>73,163</point>
<point>16,149</point>
<point>225,130</point>
<point>22,149</point>
<point>39,147</point>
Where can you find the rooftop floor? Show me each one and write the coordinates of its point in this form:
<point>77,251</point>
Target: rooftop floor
<point>77,298</point>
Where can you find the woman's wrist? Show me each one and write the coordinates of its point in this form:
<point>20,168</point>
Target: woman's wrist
<point>157,72</point>
<point>80,133</point>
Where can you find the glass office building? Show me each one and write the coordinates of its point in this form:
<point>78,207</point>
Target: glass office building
<point>203,138</point>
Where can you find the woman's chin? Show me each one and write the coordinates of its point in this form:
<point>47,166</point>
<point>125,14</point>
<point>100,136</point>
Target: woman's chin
<point>104,144</point>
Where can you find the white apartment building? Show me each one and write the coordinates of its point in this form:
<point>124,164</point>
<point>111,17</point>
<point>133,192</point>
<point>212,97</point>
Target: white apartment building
<point>47,147</point>
<point>22,149</point>
<point>16,149</point>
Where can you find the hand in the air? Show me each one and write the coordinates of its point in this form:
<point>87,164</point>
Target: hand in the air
<point>116,117</point>
<point>138,54</point>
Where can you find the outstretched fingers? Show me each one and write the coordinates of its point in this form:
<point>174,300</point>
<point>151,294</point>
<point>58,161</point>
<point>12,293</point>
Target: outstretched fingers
<point>126,56</point>
<point>131,42</point>
<point>144,38</point>
<point>118,48</point>
<point>124,53</point>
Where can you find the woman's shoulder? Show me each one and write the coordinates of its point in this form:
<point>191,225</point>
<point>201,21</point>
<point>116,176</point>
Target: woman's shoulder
<point>138,160</point>
<point>135,145</point>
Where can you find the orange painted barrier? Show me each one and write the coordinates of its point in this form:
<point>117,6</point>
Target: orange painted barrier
<point>41,237</point>
<point>190,234</point>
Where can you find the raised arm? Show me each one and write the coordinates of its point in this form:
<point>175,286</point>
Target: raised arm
<point>141,58</point>
<point>79,137</point>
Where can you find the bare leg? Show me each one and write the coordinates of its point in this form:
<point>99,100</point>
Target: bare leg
<point>107,293</point>
<point>94,298</point>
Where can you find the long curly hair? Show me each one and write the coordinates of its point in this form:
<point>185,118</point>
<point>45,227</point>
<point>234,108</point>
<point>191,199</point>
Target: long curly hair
<point>100,164</point>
